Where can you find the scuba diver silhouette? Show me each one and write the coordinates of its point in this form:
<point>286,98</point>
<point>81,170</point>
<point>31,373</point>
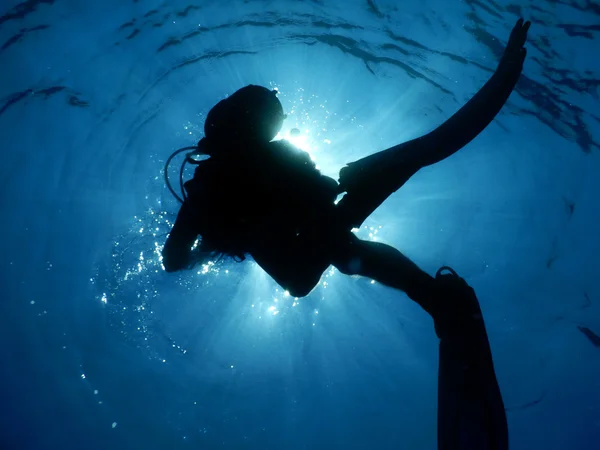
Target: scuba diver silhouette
<point>263,198</point>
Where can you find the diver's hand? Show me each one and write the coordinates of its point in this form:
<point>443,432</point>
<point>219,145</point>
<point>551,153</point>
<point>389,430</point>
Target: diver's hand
<point>515,52</point>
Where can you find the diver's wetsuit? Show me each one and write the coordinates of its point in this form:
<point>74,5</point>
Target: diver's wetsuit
<point>251,197</point>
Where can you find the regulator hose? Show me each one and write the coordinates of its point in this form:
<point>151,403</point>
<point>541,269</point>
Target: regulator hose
<point>188,159</point>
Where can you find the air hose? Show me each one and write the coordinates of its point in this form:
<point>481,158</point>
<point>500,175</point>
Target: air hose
<point>189,158</point>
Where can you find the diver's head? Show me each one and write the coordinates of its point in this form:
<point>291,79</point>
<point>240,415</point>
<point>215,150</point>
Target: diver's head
<point>251,113</point>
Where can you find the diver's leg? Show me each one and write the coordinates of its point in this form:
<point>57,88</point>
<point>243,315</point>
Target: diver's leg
<point>470,407</point>
<point>387,266</point>
<point>369,181</point>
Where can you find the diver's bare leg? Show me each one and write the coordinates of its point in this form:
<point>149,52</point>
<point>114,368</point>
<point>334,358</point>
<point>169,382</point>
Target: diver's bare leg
<point>387,266</point>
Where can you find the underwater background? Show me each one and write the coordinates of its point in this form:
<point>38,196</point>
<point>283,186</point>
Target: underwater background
<point>100,348</point>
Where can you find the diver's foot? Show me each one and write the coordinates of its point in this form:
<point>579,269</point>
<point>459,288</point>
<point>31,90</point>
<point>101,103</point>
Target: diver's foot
<point>455,308</point>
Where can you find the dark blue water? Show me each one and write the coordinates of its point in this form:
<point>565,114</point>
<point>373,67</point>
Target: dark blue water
<point>100,348</point>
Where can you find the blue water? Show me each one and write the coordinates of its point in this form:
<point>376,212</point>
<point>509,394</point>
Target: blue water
<point>100,348</point>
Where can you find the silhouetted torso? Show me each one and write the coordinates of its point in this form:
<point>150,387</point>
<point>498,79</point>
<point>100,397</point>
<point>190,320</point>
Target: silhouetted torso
<point>274,186</point>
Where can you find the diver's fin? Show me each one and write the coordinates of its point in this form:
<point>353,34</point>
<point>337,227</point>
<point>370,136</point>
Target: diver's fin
<point>471,413</point>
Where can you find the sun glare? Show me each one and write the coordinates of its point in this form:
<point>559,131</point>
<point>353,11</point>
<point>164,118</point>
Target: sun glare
<point>299,139</point>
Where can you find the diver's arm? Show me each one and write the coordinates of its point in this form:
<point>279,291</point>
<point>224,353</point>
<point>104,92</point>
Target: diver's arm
<point>478,112</point>
<point>177,251</point>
